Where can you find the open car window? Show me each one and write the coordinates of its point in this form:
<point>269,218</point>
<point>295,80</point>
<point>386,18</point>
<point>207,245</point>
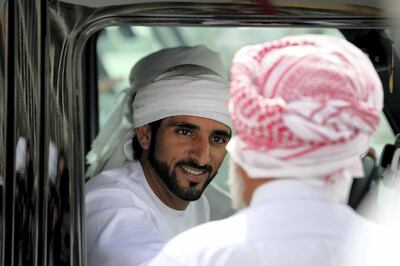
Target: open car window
<point>119,48</point>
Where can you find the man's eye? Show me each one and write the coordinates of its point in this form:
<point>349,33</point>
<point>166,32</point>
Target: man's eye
<point>218,140</point>
<point>184,132</point>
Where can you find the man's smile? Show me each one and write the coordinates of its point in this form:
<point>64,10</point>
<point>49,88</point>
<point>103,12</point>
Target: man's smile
<point>194,175</point>
<point>193,171</point>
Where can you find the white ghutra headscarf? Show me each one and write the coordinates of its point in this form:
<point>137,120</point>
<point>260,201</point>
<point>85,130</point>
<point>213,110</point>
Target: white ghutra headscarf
<point>304,107</point>
<point>156,93</point>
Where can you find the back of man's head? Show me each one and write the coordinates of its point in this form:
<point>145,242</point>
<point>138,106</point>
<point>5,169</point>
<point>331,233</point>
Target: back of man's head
<point>304,107</point>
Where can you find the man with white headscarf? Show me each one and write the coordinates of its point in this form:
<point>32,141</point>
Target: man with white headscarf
<point>304,109</point>
<point>180,127</point>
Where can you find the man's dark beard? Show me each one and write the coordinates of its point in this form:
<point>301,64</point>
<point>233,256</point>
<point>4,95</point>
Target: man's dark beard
<point>169,178</point>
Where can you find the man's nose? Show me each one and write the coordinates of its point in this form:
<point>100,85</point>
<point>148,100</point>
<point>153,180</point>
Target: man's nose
<point>201,151</point>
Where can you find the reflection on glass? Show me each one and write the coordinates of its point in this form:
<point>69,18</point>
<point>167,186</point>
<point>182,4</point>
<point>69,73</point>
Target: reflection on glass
<point>24,204</point>
<point>58,232</point>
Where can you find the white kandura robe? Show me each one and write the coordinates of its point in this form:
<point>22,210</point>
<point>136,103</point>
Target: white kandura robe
<point>126,223</point>
<point>288,223</point>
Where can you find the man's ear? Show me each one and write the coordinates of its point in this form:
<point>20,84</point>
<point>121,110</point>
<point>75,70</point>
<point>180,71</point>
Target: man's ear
<point>143,135</point>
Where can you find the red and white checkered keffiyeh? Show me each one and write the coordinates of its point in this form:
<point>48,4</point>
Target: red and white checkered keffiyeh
<point>304,107</point>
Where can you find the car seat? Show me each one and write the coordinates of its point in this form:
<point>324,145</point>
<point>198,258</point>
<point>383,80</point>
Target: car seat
<point>361,186</point>
<point>381,203</point>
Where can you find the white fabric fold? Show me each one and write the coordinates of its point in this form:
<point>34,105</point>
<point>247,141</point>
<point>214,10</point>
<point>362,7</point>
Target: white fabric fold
<point>116,132</point>
<point>152,66</point>
<point>204,95</point>
<point>328,159</point>
<point>313,169</point>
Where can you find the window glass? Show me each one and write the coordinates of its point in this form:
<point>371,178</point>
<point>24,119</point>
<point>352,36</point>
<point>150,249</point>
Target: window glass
<point>119,48</point>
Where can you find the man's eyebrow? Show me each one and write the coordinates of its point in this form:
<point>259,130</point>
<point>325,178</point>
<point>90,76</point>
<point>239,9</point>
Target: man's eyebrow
<point>186,125</point>
<point>223,133</point>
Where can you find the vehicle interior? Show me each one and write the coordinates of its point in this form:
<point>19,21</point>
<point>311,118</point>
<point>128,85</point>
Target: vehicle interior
<point>62,86</point>
<point>118,48</point>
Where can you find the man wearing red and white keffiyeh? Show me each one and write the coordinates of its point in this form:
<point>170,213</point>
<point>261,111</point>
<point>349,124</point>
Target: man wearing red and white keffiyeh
<point>304,109</point>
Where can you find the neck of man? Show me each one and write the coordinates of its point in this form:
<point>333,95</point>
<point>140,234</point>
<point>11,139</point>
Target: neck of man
<point>249,184</point>
<point>160,189</point>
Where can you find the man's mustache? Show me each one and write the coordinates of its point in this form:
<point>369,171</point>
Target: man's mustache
<point>193,164</point>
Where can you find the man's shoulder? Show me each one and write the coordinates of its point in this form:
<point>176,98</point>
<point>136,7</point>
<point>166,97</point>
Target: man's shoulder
<point>116,188</point>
